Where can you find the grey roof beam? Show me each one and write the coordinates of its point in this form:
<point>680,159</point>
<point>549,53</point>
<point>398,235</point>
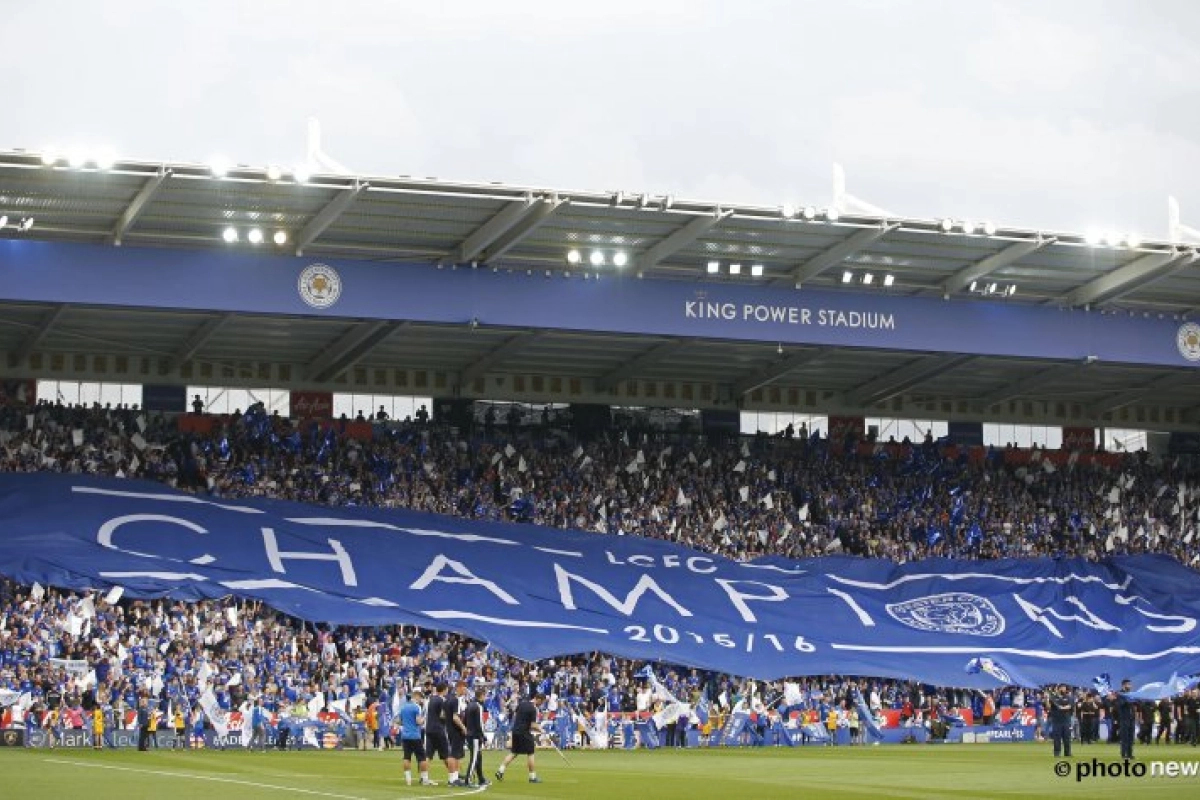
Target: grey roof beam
<point>505,219</point>
<point>832,256</point>
<point>495,356</point>
<point>1125,279</point>
<point>647,358</point>
<point>680,238</point>
<point>199,337</point>
<point>137,205</point>
<point>349,348</point>
<point>914,373</point>
<point>38,333</point>
<point>1031,383</point>
<point>1128,397</point>
<point>540,212</point>
<point>328,215</point>
<point>775,371</point>
<point>997,261</point>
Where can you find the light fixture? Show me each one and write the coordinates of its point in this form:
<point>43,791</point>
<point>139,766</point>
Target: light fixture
<point>255,236</point>
<point>946,225</point>
<point>989,228</point>
<point>889,279</point>
<point>868,279</point>
<point>3,220</point>
<point>735,269</point>
<point>280,237</point>
<point>25,224</point>
<point>620,259</point>
<point>77,159</point>
<point>230,235</point>
<point>847,276</point>
<point>668,201</point>
<point>714,267</point>
<point>968,227</point>
<point>1112,239</point>
<point>974,285</point>
<point>49,156</point>
<point>301,173</point>
<point>991,289</point>
<point>274,172</point>
<point>756,270</point>
<point>1093,237</point>
<point>1011,290</point>
<point>831,214</point>
<point>787,211</point>
<point>105,159</point>
<point>573,256</point>
<point>1134,240</point>
<point>597,258</point>
<point>809,213</point>
<point>219,167</point>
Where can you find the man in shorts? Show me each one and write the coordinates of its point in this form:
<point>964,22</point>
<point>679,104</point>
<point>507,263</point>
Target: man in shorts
<point>411,721</point>
<point>525,727</point>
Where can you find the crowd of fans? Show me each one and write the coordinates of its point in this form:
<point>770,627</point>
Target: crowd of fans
<point>740,497</point>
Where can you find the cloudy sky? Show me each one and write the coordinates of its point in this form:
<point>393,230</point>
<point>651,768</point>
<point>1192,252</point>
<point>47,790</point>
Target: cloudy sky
<point>1049,114</point>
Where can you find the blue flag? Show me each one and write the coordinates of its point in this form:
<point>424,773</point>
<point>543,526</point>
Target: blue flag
<point>1004,674</point>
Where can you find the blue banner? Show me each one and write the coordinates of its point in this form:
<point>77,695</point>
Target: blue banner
<point>540,592</point>
<point>213,280</point>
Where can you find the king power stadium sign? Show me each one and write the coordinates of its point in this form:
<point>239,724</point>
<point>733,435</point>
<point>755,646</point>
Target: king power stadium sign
<point>538,592</point>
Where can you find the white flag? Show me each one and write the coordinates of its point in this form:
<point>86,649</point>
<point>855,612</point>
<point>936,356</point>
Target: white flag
<point>740,466</point>
<point>141,422</point>
<point>803,512</point>
<point>744,493</point>
<point>77,437</point>
<point>37,592</point>
<point>578,452</point>
<point>509,450</point>
<point>768,501</point>
<point>521,465</point>
<point>138,441</point>
<point>631,467</point>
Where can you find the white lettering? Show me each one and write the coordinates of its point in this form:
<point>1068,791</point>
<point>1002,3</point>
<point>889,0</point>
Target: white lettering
<point>1186,624</point>
<point>694,560</point>
<point>465,577</point>
<point>642,561</point>
<point>1039,614</point>
<point>104,537</point>
<point>738,598</point>
<point>858,610</point>
<point>275,557</point>
<point>626,607</point>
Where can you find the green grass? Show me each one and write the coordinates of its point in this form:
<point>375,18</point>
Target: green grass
<point>917,771</point>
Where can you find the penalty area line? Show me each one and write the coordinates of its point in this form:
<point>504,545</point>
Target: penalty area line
<point>255,784</point>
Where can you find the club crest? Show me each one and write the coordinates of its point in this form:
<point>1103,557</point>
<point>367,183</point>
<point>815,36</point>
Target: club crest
<point>953,612</point>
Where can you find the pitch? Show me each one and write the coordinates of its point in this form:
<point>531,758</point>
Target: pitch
<point>978,771</point>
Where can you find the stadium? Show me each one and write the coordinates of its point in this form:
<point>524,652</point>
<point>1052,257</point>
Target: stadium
<point>795,499</point>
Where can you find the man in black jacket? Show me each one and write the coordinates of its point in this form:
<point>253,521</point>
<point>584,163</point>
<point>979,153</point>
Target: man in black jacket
<point>525,725</point>
<point>1062,718</point>
<point>1126,711</point>
<point>473,718</point>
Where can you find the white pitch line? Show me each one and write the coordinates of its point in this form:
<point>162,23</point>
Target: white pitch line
<point>255,784</point>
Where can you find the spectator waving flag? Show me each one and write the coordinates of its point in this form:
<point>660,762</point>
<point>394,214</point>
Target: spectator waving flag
<point>1004,674</point>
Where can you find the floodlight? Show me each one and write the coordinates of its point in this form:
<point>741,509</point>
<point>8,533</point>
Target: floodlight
<point>868,279</point>
<point>105,159</point>
<point>1134,240</point>
<point>714,267</point>
<point>1093,237</point>
<point>974,285</point>
<point>219,167</point>
<point>274,172</point>
<point>1011,290</point>
<point>3,220</point>
<point>787,211</point>
<point>280,237</point>
<point>809,213</point>
<point>574,257</point>
<point>989,228</point>
<point>597,258</point>
<point>756,270</point>
<point>968,227</point>
<point>946,225</point>
<point>301,173</point>
<point>1112,239</point>
<point>889,279</point>
<point>735,269</point>
<point>255,236</point>
<point>847,276</point>
<point>991,289</point>
<point>620,259</point>
<point>26,224</point>
<point>49,156</point>
<point>831,214</point>
<point>77,159</point>
<point>230,235</point>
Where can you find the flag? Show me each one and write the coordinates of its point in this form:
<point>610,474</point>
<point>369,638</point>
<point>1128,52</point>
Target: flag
<point>1004,674</point>
<point>792,695</point>
<point>702,709</point>
<point>216,715</point>
<point>865,718</point>
<point>1162,690</point>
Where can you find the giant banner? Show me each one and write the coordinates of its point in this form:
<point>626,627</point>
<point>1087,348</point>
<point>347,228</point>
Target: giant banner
<point>539,592</point>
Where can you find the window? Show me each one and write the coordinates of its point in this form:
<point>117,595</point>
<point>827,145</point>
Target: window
<point>89,392</point>
<point>1045,437</point>
<point>914,429</point>
<point>396,406</point>
<point>226,400</point>
<point>774,422</point>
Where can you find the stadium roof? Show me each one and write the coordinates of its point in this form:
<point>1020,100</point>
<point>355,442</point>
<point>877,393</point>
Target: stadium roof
<point>405,219</point>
